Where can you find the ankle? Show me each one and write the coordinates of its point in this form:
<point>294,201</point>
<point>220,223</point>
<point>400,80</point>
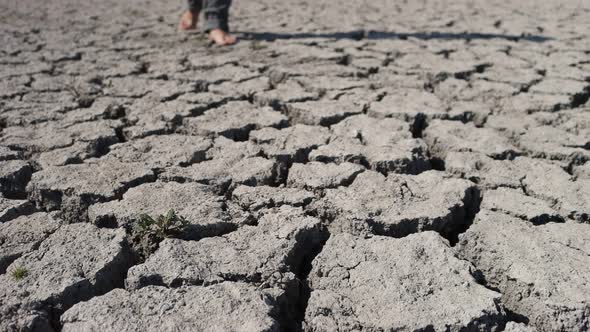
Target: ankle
<point>217,32</point>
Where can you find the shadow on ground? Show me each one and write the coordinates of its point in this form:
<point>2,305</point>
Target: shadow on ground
<point>379,35</point>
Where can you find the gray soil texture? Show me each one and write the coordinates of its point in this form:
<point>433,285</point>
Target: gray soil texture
<point>347,166</point>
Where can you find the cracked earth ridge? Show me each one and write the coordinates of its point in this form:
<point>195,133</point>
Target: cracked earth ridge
<point>348,165</point>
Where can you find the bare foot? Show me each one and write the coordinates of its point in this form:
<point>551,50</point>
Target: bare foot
<point>221,37</point>
<point>188,21</point>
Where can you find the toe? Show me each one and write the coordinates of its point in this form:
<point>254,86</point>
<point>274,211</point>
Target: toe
<point>229,40</point>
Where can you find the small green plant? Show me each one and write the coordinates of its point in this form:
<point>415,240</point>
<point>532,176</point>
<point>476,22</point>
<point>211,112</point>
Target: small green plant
<point>19,273</point>
<point>162,226</point>
<point>147,232</point>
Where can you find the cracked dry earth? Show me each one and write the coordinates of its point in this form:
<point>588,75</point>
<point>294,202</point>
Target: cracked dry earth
<point>347,166</point>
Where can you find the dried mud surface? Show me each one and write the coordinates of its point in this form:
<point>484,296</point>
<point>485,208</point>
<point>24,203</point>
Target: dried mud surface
<point>347,166</point>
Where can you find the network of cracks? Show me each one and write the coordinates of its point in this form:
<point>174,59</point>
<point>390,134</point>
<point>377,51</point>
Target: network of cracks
<point>362,181</point>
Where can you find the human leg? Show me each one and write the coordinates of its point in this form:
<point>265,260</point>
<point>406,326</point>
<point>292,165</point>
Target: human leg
<point>216,13</point>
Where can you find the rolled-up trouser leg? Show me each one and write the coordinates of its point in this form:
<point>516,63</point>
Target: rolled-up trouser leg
<point>195,6</point>
<point>216,14</point>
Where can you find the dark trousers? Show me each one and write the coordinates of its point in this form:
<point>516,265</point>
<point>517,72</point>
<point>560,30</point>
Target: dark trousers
<point>215,12</point>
